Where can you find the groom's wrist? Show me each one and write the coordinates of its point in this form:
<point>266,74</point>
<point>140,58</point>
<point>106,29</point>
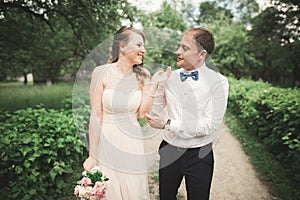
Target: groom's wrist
<point>167,125</point>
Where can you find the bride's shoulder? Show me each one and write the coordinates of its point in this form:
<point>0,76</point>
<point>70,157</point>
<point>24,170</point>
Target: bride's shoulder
<point>99,72</point>
<point>101,69</point>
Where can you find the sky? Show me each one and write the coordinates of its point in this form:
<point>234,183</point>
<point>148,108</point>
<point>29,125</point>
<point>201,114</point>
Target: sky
<point>149,6</point>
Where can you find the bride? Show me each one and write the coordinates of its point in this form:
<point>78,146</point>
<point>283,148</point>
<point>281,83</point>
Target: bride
<point>121,92</point>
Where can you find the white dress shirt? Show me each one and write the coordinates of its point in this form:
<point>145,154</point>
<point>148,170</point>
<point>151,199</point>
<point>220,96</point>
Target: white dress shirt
<point>196,108</point>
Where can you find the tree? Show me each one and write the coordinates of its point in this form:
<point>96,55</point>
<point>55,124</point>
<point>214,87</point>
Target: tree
<point>16,42</point>
<point>275,39</point>
<point>210,11</point>
<point>164,36</point>
<point>232,55</point>
<point>55,33</point>
<point>243,10</point>
<point>166,17</point>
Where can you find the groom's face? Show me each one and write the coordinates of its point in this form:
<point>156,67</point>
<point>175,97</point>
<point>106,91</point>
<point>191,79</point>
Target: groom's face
<point>188,54</point>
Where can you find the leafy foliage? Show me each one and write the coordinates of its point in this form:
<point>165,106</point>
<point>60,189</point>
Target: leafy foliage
<point>48,38</point>
<point>96,176</point>
<point>79,107</point>
<point>243,9</point>
<point>210,12</point>
<point>39,150</point>
<point>270,170</point>
<point>166,17</point>
<point>51,38</point>
<point>163,41</point>
<point>275,40</point>
<point>273,115</point>
<point>232,54</point>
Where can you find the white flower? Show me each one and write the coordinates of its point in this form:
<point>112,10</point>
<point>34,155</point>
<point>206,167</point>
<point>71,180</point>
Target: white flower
<point>81,191</point>
<point>76,189</point>
<point>95,169</point>
<point>88,191</point>
<point>83,173</point>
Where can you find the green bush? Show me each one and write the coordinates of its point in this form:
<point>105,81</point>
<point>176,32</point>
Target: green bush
<point>273,115</point>
<point>39,150</point>
<point>79,107</point>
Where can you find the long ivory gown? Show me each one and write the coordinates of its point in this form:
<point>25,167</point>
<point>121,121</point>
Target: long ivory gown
<point>121,145</point>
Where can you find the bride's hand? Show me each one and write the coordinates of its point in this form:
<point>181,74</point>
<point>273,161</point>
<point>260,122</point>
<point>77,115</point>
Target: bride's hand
<point>160,76</point>
<point>89,163</point>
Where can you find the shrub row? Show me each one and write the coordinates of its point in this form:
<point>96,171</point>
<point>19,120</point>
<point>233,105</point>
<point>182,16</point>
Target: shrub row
<point>40,149</point>
<point>273,115</point>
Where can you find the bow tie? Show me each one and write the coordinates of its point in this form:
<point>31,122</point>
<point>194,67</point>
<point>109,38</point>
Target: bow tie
<point>194,75</point>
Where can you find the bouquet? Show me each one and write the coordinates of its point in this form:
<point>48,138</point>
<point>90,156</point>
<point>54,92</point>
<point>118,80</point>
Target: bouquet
<point>92,185</point>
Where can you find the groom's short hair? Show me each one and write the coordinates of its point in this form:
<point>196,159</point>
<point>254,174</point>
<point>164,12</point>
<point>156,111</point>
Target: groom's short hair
<point>204,39</point>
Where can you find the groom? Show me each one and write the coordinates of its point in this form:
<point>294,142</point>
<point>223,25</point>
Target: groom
<point>195,100</point>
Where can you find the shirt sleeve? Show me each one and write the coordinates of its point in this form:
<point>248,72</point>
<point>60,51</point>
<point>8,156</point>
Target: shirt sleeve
<point>210,120</point>
<point>159,102</point>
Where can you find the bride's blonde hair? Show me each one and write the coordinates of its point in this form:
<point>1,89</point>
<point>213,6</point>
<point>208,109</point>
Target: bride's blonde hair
<point>122,35</point>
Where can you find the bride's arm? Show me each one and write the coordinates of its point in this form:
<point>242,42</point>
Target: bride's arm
<point>96,91</point>
<point>148,92</point>
<point>149,89</point>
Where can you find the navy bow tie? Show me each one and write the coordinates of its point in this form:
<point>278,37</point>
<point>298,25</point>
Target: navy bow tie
<point>194,75</point>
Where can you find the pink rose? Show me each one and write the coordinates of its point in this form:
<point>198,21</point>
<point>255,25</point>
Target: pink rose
<point>85,181</point>
<point>99,190</point>
<point>99,185</point>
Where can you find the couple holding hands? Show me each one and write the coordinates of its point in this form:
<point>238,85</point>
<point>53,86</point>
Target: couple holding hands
<point>194,98</point>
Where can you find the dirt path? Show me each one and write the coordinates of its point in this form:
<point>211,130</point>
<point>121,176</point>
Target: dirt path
<point>234,176</point>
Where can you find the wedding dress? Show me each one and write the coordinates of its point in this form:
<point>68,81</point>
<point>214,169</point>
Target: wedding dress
<point>121,146</point>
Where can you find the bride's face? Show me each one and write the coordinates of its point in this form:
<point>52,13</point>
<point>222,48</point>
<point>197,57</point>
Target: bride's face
<point>134,49</point>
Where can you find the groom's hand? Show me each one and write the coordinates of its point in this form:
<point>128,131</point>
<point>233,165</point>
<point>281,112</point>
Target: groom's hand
<point>156,120</point>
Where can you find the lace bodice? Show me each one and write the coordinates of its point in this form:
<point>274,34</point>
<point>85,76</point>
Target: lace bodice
<point>122,94</point>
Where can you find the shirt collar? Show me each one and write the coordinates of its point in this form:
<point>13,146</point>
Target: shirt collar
<point>202,67</point>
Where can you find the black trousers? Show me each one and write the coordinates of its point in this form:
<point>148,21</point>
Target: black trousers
<point>195,165</point>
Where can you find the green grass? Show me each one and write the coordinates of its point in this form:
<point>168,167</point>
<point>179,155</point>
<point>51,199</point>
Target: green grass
<point>15,95</point>
<point>270,171</point>
<point>14,83</point>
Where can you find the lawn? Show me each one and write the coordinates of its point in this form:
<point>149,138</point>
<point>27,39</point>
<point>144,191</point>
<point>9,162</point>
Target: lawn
<point>15,95</point>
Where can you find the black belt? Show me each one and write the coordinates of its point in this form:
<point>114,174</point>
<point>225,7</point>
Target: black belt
<point>208,146</point>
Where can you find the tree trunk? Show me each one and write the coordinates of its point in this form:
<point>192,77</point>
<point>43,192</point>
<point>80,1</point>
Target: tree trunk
<point>25,79</point>
<point>49,82</point>
<point>296,74</point>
